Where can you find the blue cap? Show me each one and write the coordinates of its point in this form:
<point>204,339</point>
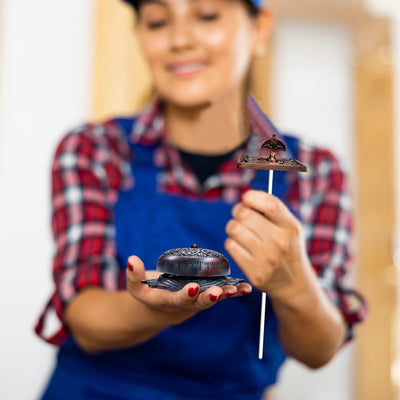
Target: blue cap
<point>257,3</point>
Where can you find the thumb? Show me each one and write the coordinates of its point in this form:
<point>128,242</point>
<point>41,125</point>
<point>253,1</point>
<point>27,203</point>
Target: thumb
<point>135,272</point>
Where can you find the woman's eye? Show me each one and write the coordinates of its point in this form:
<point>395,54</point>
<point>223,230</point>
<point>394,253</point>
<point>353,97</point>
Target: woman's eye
<point>208,17</point>
<point>156,24</point>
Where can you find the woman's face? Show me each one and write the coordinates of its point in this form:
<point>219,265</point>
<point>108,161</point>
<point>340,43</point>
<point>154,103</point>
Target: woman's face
<point>197,50</point>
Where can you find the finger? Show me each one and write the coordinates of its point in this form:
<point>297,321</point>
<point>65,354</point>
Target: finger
<point>250,218</point>
<point>170,301</point>
<point>209,297</point>
<point>270,206</point>
<point>135,273</point>
<point>236,291</point>
<point>244,236</point>
<point>229,291</point>
<point>244,260</point>
<point>186,296</point>
<point>242,257</point>
<point>188,299</point>
<point>255,222</point>
<point>244,288</point>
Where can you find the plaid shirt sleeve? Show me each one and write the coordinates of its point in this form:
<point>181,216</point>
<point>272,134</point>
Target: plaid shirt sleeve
<point>324,209</point>
<point>91,164</point>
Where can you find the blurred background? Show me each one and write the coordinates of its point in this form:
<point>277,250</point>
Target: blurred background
<point>331,75</point>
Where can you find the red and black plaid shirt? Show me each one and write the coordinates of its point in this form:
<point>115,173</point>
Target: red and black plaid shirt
<point>92,164</point>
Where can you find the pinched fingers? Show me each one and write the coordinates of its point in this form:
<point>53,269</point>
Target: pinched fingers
<point>263,217</point>
<point>242,234</point>
<point>252,219</point>
<point>270,206</point>
<point>242,256</point>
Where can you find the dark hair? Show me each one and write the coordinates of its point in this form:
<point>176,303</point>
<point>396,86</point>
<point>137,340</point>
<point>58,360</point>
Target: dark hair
<point>252,9</point>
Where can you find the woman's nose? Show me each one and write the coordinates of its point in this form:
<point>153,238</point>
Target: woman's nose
<point>181,35</point>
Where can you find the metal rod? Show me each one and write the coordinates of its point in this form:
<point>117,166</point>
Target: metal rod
<point>264,295</point>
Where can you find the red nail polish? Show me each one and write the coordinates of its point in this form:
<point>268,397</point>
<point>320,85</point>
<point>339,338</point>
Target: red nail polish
<point>130,266</point>
<point>215,298</point>
<point>245,292</point>
<point>230,294</point>
<point>193,291</point>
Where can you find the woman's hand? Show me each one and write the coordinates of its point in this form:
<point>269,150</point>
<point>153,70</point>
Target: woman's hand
<point>175,306</point>
<point>266,241</point>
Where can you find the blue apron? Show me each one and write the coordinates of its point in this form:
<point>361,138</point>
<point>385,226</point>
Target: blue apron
<point>211,355</point>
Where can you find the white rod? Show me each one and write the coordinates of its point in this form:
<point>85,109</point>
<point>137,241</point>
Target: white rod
<point>270,180</point>
<point>262,325</point>
<point>264,295</point>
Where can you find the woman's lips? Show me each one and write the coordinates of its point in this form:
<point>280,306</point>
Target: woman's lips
<point>186,69</point>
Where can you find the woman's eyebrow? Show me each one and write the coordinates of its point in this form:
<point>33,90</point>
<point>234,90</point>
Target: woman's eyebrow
<point>160,2</point>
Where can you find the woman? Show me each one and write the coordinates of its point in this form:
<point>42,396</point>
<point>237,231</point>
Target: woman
<point>129,189</point>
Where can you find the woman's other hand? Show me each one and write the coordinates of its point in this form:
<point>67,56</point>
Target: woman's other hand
<point>266,241</point>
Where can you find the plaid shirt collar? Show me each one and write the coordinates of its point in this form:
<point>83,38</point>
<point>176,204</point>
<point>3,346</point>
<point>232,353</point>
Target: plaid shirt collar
<point>149,130</point>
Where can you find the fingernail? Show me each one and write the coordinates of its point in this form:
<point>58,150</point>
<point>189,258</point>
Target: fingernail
<point>229,294</point>
<point>193,291</point>
<point>130,266</point>
<point>215,298</point>
<point>245,292</point>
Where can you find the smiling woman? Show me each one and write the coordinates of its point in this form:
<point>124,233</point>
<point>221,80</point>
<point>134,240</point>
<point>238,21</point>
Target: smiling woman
<point>199,51</point>
<point>143,184</point>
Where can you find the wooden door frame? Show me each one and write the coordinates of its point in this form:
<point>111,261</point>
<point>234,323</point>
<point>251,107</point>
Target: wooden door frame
<point>376,212</point>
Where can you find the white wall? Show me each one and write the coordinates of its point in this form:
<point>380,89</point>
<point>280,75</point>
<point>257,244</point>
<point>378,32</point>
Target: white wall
<point>313,98</point>
<point>44,86</point>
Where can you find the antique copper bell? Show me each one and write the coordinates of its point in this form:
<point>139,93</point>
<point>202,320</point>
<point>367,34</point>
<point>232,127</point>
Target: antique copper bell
<point>192,264</point>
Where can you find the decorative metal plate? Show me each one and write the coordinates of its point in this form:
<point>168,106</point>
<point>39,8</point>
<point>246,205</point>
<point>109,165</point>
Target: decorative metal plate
<point>172,282</point>
<point>281,164</point>
<point>273,145</point>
